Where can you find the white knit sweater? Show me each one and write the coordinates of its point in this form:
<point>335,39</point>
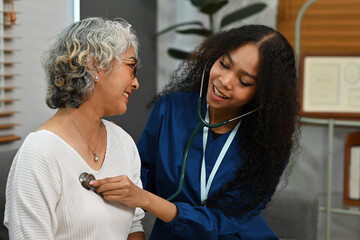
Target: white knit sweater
<point>45,200</point>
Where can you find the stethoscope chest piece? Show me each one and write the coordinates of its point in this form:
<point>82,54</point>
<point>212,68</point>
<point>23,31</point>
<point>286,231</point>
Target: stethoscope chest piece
<point>85,178</point>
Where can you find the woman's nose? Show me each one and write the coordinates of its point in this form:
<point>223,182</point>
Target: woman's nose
<point>227,80</point>
<point>135,84</point>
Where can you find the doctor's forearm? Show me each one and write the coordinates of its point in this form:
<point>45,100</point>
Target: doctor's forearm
<point>159,207</point>
<point>136,236</point>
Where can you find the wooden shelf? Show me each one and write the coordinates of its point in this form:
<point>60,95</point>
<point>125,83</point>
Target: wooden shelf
<point>9,12</point>
<point>9,38</point>
<point>9,100</point>
<point>9,50</point>
<point>8,125</point>
<point>10,25</point>
<point>10,75</point>
<point>7,113</point>
<point>9,138</point>
<point>9,63</point>
<point>8,88</point>
<point>326,26</point>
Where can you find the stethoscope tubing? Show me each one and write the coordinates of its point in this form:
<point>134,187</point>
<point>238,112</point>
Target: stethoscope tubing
<point>183,165</point>
<point>202,123</point>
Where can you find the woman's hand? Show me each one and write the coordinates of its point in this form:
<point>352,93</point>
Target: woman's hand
<point>121,189</point>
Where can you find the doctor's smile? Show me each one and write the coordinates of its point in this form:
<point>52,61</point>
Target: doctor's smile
<point>217,93</point>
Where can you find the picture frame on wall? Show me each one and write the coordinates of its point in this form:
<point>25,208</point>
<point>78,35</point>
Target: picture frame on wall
<point>329,86</point>
<point>352,169</point>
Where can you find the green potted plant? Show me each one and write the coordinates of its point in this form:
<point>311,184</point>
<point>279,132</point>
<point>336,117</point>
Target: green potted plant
<point>209,7</point>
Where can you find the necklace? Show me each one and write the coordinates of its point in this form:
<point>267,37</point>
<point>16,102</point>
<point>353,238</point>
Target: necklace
<point>94,151</point>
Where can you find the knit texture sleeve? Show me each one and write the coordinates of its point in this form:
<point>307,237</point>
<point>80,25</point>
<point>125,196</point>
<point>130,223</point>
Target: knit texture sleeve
<point>32,193</point>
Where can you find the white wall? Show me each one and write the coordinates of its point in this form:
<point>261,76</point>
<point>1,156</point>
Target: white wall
<point>39,21</point>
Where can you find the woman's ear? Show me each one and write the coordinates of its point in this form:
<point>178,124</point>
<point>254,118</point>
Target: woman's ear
<point>92,67</point>
<point>98,74</point>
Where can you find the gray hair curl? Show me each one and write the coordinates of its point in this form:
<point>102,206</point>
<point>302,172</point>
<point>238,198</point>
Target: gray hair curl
<point>78,52</point>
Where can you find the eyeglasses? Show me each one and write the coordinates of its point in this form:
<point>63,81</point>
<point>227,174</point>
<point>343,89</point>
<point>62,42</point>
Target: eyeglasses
<point>133,65</point>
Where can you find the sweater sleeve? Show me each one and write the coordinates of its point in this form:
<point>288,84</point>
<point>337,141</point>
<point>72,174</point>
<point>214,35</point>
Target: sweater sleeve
<point>32,193</point>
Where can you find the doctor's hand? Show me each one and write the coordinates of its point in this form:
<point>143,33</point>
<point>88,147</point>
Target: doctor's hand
<point>121,189</point>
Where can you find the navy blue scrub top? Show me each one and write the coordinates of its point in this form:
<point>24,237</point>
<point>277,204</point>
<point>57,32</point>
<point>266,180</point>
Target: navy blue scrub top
<point>161,148</point>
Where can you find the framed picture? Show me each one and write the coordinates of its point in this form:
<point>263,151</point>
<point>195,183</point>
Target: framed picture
<point>352,169</point>
<point>329,86</point>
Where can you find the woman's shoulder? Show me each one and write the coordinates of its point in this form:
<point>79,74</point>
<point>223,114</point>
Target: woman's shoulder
<point>117,130</point>
<point>119,138</point>
<point>39,148</point>
<point>41,139</point>
<point>180,95</point>
<point>176,98</point>
<point>110,125</point>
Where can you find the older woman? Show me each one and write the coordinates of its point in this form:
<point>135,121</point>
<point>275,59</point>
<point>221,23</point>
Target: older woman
<point>90,70</point>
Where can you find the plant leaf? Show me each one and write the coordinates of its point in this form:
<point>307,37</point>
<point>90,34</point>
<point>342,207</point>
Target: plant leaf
<point>242,13</point>
<point>202,32</point>
<point>178,25</point>
<point>213,7</point>
<point>198,3</point>
<point>178,54</point>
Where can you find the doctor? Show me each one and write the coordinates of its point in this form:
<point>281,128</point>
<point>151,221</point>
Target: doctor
<point>233,170</point>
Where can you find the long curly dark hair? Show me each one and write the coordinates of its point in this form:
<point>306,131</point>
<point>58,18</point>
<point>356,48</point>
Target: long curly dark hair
<point>271,133</point>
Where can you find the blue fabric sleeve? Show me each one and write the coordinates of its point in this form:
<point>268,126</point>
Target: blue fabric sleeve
<point>198,222</point>
<point>148,147</point>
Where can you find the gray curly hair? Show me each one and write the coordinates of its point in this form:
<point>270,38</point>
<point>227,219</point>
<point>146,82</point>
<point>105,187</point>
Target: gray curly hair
<point>78,52</point>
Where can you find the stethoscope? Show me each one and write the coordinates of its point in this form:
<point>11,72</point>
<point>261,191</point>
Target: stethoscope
<point>202,123</point>
<point>85,178</point>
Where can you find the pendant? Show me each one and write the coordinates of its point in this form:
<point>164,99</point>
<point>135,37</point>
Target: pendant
<point>96,157</point>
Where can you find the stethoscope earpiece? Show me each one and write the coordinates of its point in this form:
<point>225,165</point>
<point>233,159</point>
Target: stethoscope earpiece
<point>85,178</point>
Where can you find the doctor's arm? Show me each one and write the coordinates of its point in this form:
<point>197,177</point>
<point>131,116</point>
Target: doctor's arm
<point>122,189</point>
<point>136,236</point>
<point>184,220</point>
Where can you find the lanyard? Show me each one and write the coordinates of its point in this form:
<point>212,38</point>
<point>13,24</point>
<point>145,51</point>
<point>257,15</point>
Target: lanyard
<point>205,186</point>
